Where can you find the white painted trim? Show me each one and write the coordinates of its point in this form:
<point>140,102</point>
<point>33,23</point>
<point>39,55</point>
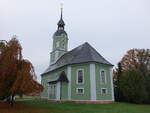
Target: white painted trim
<point>101,77</point>
<point>112,86</point>
<point>43,97</point>
<point>78,92</point>
<point>48,91</point>
<point>106,91</point>
<point>92,82</point>
<point>84,100</point>
<point>69,83</point>
<point>53,99</point>
<point>58,91</point>
<point>77,76</point>
<point>56,55</point>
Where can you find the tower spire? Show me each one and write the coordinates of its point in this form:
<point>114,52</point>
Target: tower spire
<point>61,23</point>
<point>61,10</point>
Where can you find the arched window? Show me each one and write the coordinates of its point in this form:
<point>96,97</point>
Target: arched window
<point>103,77</point>
<point>80,76</point>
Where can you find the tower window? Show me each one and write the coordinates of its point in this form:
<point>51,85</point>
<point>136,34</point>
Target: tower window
<point>103,77</point>
<point>57,44</point>
<point>80,77</point>
<point>63,45</point>
<point>60,28</point>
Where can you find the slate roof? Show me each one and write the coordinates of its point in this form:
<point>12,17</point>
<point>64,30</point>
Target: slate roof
<point>61,22</point>
<point>61,77</point>
<point>81,54</point>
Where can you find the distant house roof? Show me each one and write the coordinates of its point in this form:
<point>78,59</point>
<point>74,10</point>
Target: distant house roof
<point>81,54</point>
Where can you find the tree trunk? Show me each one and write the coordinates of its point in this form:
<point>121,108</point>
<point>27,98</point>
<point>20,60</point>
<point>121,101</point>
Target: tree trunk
<point>12,101</point>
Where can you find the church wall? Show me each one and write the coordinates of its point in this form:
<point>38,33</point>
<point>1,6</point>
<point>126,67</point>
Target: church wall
<point>52,91</point>
<point>64,91</point>
<point>46,77</point>
<point>44,81</point>
<point>86,85</point>
<point>99,85</point>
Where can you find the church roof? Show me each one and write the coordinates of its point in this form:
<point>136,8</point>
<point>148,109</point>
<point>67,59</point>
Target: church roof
<point>81,54</point>
<point>60,32</point>
<point>60,77</point>
<point>61,22</point>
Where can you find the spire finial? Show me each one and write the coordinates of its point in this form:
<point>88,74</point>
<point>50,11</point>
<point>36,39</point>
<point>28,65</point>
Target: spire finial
<point>61,10</point>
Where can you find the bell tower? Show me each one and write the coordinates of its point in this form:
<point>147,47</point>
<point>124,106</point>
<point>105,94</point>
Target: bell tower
<point>60,41</point>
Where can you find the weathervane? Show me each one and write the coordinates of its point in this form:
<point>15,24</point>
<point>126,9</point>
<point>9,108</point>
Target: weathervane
<point>61,5</point>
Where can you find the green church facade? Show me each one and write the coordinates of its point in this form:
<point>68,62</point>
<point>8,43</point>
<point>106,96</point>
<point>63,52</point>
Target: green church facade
<point>81,74</point>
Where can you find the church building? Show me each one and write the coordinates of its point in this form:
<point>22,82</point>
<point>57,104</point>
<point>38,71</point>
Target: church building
<point>80,75</point>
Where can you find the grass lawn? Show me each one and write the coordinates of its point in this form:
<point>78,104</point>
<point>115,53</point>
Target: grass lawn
<point>41,106</point>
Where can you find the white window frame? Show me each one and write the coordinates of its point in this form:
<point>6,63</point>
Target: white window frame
<point>77,76</point>
<point>78,92</point>
<point>101,77</point>
<point>106,91</point>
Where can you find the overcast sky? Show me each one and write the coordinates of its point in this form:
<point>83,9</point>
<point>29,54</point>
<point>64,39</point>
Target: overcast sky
<point>111,26</point>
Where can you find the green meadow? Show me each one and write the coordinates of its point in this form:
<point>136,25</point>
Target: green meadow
<point>43,106</point>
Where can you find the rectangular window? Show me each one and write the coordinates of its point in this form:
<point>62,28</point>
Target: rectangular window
<point>103,91</point>
<point>80,90</point>
<point>80,79</point>
<point>103,77</point>
<point>52,90</point>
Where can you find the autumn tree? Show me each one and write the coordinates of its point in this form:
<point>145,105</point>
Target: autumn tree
<point>134,61</point>
<point>17,76</point>
<point>136,58</point>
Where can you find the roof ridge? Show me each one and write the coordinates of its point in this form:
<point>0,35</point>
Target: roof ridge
<point>89,46</point>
